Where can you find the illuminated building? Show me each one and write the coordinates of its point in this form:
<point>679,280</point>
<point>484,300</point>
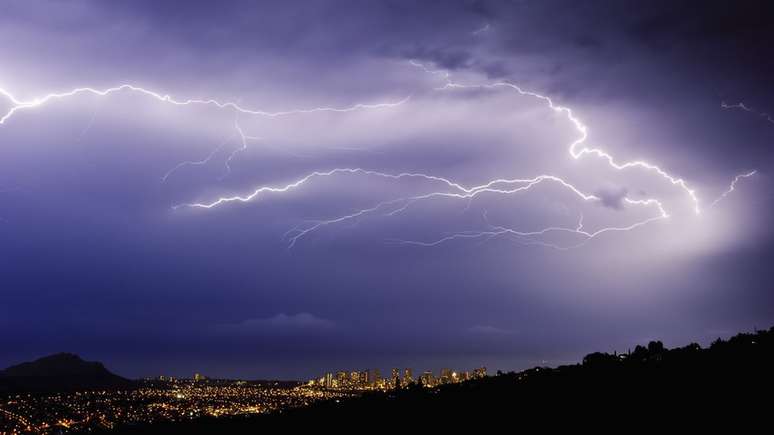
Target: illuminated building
<point>446,376</point>
<point>427,379</point>
<point>370,379</point>
<point>329,380</point>
<point>341,379</point>
<point>374,377</point>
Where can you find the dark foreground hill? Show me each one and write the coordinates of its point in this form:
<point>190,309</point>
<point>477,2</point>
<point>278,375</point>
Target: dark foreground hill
<point>59,372</point>
<point>651,388</point>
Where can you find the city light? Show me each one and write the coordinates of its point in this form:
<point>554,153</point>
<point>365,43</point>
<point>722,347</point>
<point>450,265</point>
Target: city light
<point>371,379</point>
<point>164,399</point>
<point>170,399</point>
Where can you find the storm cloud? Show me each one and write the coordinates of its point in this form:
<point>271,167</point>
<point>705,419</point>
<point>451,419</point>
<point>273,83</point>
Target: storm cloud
<point>102,254</point>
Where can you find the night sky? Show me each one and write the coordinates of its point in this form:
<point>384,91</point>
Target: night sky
<point>424,193</point>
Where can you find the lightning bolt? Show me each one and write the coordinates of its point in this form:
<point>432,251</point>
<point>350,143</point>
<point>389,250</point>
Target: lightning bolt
<point>459,191</point>
<point>732,187</point>
<point>19,105</point>
<point>742,106</point>
<point>450,189</point>
<point>203,161</point>
<point>243,139</point>
<point>88,126</point>
<point>317,174</point>
<point>469,193</point>
<point>455,191</point>
<point>576,148</point>
<point>527,237</point>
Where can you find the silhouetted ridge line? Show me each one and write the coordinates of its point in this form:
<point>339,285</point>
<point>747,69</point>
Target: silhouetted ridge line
<point>648,387</point>
<point>59,372</point>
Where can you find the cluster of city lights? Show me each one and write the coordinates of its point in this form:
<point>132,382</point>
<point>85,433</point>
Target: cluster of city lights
<point>159,400</point>
<point>373,380</point>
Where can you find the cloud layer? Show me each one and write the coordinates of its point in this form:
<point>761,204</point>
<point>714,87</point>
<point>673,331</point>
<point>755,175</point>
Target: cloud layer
<point>92,245</point>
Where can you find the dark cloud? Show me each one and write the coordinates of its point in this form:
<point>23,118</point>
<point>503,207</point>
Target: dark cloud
<point>94,259</point>
<point>612,198</point>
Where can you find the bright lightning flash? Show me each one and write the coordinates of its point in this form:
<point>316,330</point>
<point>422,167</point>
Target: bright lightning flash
<point>732,187</point>
<point>447,188</point>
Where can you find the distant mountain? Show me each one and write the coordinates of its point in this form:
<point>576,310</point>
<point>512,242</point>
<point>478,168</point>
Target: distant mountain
<point>61,371</point>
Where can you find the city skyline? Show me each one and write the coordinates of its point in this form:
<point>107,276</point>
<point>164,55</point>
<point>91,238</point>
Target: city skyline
<point>371,379</point>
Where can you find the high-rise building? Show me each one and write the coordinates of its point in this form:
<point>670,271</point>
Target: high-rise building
<point>395,374</point>
<point>446,376</point>
<point>329,380</point>
<point>427,379</point>
<point>374,377</point>
<point>341,379</point>
<point>407,376</point>
<point>479,372</point>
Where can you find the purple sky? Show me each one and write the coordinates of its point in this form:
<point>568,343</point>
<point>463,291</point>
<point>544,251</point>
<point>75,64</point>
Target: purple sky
<point>340,262</point>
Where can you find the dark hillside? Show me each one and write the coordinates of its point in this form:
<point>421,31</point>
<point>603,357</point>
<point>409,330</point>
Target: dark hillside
<point>729,381</point>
